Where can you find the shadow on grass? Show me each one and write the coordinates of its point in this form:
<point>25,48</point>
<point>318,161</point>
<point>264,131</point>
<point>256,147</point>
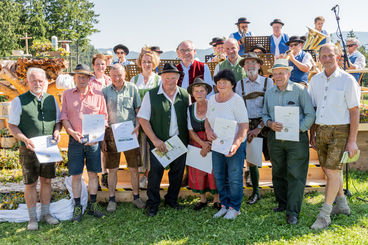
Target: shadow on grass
<point>256,224</point>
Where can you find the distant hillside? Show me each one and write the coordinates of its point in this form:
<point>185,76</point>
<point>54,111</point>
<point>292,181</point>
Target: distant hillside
<point>201,53</point>
<point>362,37</point>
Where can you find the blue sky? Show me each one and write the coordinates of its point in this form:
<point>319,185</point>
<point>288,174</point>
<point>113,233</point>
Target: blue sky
<point>166,23</point>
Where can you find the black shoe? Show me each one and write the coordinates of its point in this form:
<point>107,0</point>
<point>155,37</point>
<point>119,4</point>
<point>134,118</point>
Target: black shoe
<point>104,180</point>
<point>217,205</point>
<point>174,205</point>
<point>291,219</point>
<point>199,205</point>
<point>151,211</point>
<point>77,213</point>
<point>279,209</point>
<point>253,199</point>
<point>94,209</point>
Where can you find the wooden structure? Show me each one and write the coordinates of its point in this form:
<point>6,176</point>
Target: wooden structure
<point>268,60</point>
<point>131,71</point>
<point>265,41</point>
<point>208,57</point>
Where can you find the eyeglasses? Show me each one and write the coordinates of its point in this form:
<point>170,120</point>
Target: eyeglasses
<point>186,50</point>
<point>350,45</point>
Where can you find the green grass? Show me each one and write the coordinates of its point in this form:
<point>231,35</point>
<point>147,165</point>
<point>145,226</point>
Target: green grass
<point>257,224</point>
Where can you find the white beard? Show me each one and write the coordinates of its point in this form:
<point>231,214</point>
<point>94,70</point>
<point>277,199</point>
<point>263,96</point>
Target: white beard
<point>253,73</point>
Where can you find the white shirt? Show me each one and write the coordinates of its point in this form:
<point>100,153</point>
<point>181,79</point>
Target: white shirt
<point>207,76</point>
<point>277,41</point>
<point>254,106</point>
<point>233,109</point>
<point>307,59</point>
<point>334,96</point>
<point>150,83</point>
<point>360,60</point>
<point>16,111</point>
<point>145,110</point>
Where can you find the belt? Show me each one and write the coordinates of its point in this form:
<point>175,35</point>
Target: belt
<point>334,126</point>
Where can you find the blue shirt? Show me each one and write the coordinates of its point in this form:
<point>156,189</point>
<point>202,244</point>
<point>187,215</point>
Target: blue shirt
<point>294,95</point>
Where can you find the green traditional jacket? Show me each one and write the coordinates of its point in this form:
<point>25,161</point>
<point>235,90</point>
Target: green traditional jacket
<point>237,69</point>
<point>38,116</point>
<point>161,114</point>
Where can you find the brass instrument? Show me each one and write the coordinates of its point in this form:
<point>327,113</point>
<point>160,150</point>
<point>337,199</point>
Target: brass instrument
<point>314,39</point>
<point>218,58</point>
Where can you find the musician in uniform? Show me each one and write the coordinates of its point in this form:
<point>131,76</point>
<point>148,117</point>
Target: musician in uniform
<point>218,54</point>
<point>278,39</point>
<point>318,25</point>
<point>300,60</point>
<point>241,33</point>
<point>252,89</point>
<point>356,59</point>
<point>258,49</point>
<point>121,52</point>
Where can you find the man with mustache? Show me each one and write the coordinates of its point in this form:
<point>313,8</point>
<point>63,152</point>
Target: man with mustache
<point>252,89</point>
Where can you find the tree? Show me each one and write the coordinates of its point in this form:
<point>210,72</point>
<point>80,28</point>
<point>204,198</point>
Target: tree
<point>10,28</point>
<point>351,34</point>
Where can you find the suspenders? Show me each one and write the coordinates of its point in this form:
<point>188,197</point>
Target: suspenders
<point>253,95</point>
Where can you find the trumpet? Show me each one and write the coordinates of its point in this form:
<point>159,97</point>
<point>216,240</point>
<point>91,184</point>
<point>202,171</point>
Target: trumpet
<point>314,39</point>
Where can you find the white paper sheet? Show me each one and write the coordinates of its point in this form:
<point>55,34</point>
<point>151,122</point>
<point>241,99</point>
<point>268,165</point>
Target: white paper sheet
<point>195,159</point>
<point>289,117</point>
<point>124,139</point>
<point>225,130</point>
<point>93,126</point>
<point>254,151</point>
<point>45,150</point>
<point>175,148</point>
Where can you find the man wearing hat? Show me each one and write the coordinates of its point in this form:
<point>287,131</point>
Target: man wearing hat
<point>163,114</point>
<point>258,49</point>
<point>35,113</point>
<point>300,60</point>
<point>158,51</point>
<point>252,89</point>
<point>82,99</point>
<point>278,39</point>
<point>121,52</point>
<point>231,48</point>
<point>190,67</point>
<point>289,159</point>
<point>241,33</point>
<point>218,55</point>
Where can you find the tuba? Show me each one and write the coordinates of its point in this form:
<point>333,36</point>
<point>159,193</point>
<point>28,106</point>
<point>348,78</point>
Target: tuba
<point>314,39</point>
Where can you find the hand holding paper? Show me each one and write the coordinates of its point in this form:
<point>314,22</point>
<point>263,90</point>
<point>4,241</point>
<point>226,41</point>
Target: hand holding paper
<point>45,150</point>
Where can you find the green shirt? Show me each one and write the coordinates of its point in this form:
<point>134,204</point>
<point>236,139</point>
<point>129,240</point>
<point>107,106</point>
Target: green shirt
<point>121,105</point>
<point>294,95</point>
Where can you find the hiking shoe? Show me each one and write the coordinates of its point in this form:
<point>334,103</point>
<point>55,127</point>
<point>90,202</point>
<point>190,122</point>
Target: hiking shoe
<point>32,225</point>
<point>340,210</point>
<point>321,222</point>
<point>143,182</point>
<point>49,219</point>
<point>139,203</point>
<point>94,209</point>
<point>77,213</point>
<point>221,212</point>
<point>111,207</point>
<point>104,180</point>
<point>231,213</point>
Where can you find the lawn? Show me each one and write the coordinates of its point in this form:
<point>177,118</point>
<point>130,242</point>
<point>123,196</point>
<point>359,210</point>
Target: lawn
<point>256,225</point>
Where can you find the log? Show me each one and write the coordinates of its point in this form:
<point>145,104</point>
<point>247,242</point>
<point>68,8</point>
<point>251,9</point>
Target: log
<point>9,92</point>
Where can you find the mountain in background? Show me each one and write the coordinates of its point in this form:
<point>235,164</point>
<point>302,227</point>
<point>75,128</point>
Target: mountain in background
<point>201,53</point>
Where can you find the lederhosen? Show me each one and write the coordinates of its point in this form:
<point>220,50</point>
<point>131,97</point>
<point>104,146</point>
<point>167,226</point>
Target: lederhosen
<point>254,122</point>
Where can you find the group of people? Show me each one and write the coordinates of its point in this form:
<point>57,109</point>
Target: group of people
<point>184,100</point>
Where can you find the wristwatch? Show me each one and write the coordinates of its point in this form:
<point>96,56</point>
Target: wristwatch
<point>259,126</point>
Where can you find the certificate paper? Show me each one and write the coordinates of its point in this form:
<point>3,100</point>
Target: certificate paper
<point>45,150</point>
<point>175,148</point>
<point>289,117</point>
<point>93,127</point>
<point>254,151</point>
<point>195,159</point>
<point>225,130</point>
<point>124,139</point>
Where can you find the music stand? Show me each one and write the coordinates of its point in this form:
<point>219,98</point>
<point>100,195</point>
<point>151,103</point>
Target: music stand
<point>265,41</point>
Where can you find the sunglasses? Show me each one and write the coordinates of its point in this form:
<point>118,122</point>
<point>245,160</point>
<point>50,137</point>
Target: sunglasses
<point>350,45</point>
<point>293,44</point>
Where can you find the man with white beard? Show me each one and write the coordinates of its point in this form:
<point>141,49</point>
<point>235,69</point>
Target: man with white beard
<point>252,89</point>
